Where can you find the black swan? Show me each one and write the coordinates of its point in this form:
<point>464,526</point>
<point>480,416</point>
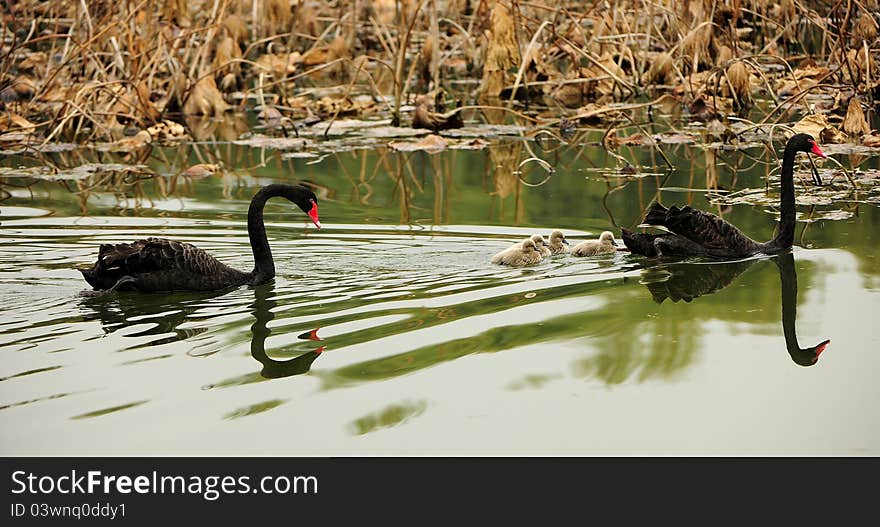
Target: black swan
<point>696,233</point>
<point>158,264</point>
<point>685,281</point>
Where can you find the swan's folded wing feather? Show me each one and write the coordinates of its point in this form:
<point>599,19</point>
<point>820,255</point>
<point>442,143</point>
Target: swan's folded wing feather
<point>705,229</point>
<point>159,254</point>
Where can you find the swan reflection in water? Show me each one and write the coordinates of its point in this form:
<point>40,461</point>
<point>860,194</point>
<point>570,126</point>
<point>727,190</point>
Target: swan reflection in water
<point>274,368</point>
<point>686,282</point>
<point>162,316</point>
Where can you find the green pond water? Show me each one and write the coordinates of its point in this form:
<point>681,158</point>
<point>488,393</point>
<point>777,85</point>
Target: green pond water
<point>426,347</point>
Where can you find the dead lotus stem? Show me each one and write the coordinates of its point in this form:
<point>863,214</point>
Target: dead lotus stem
<point>345,96</point>
<point>489,107</point>
<point>654,144</point>
<point>384,37</point>
<point>543,164</point>
<point>67,118</point>
<point>525,57</point>
<point>304,74</point>
<point>843,168</point>
<point>797,97</point>
<point>403,40</point>
<point>261,41</point>
<point>623,108</point>
<point>598,64</point>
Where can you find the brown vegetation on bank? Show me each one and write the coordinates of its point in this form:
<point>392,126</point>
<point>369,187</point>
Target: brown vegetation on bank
<point>135,72</point>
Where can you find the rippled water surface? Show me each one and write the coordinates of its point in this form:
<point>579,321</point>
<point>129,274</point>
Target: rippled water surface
<point>389,332</point>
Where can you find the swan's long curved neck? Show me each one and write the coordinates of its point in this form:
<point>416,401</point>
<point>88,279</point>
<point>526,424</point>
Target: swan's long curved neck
<point>785,234</point>
<point>264,265</point>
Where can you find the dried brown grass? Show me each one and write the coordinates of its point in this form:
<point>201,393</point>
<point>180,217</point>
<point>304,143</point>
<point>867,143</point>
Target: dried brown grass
<point>93,70</point>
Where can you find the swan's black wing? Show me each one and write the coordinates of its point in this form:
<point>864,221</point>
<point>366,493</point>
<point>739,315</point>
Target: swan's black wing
<point>157,263</point>
<point>713,234</point>
<point>160,254</point>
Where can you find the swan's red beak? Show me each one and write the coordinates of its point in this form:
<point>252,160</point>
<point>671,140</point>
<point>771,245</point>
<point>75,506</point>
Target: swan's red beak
<point>816,150</point>
<point>821,347</point>
<point>313,213</point>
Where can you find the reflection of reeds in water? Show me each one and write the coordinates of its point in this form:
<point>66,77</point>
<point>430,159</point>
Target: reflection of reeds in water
<point>390,416</point>
<point>600,329</point>
<point>502,170</point>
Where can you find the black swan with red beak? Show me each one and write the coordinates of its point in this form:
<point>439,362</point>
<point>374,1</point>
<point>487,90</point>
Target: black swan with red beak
<point>158,264</point>
<point>692,232</point>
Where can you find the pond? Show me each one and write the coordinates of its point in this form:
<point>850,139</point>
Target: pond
<point>389,332</point>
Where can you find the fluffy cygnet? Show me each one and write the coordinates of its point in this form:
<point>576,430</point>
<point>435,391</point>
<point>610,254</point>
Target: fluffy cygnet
<point>558,243</point>
<point>604,245</point>
<point>523,253</point>
<point>542,246</point>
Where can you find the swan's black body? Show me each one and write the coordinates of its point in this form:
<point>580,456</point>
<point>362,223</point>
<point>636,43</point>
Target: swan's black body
<point>693,232</point>
<point>158,264</point>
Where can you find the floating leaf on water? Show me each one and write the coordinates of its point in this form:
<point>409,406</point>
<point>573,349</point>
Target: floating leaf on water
<point>431,143</point>
<point>126,144</point>
<point>278,143</point>
<point>814,199</point>
<point>347,126</point>
<point>488,131</point>
<point>90,169</point>
<point>829,215</point>
<point>393,131</point>
<point>79,172</point>
<point>637,139</point>
<point>473,144</point>
<point>851,148</point>
<point>38,147</point>
<point>202,170</point>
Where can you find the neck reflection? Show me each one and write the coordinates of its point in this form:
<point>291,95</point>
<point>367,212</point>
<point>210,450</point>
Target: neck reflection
<point>274,368</point>
<point>788,279</point>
